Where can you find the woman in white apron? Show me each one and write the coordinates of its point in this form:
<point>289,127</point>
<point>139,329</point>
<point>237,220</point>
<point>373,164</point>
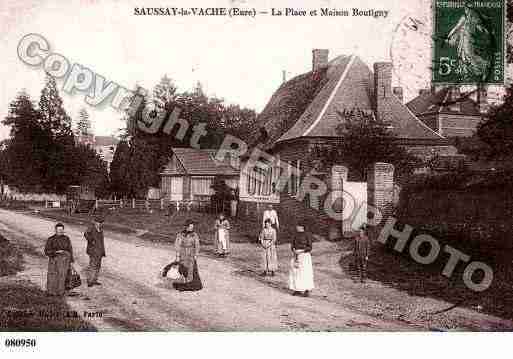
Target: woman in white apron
<point>301,270</point>
<point>222,236</point>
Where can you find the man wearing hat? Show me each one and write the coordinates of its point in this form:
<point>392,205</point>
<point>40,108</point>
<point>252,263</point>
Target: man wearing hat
<point>95,250</point>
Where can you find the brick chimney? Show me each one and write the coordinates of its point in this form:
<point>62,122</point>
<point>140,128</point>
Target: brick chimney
<point>383,89</point>
<point>319,58</point>
<point>482,100</point>
<point>454,99</point>
<point>398,92</point>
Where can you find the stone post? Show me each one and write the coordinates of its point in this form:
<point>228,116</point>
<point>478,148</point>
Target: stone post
<point>336,187</point>
<point>380,193</point>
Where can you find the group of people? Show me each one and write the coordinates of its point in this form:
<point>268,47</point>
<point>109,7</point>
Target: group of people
<point>187,246</point>
<point>59,250</point>
<point>301,279</point>
<point>301,269</point>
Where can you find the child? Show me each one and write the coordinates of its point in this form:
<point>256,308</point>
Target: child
<point>222,235</point>
<point>361,252</point>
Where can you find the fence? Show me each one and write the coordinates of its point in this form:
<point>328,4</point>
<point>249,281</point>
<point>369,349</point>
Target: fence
<point>199,204</point>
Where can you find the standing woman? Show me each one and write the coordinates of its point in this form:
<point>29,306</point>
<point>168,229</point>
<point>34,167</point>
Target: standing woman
<point>222,235</point>
<point>301,269</point>
<point>60,253</point>
<point>267,240</point>
<point>187,246</point>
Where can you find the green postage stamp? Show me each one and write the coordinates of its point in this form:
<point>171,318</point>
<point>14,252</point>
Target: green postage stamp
<point>468,41</point>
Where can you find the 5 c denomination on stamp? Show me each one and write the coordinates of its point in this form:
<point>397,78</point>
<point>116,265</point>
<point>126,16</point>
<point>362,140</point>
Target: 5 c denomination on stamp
<point>469,42</point>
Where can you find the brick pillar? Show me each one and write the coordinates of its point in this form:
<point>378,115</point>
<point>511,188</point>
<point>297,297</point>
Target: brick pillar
<point>336,186</point>
<point>380,188</point>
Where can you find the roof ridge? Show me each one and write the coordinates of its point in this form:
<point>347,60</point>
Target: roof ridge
<point>417,119</point>
<point>332,95</point>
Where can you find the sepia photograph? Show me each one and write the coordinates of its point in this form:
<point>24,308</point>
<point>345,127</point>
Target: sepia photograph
<point>255,166</point>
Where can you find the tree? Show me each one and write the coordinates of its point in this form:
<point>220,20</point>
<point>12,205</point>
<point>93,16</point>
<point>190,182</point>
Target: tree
<point>142,172</point>
<point>84,123</point>
<point>119,170</point>
<point>150,151</point>
<point>497,131</point>
<point>26,153</point>
<point>164,92</point>
<point>364,143</point>
<point>240,122</point>
<point>41,155</point>
<point>53,115</point>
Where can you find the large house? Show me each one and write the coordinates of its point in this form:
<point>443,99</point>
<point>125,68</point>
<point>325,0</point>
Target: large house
<point>449,112</point>
<point>305,113</point>
<point>190,173</point>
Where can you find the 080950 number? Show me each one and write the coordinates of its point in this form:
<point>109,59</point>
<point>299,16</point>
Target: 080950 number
<point>19,343</point>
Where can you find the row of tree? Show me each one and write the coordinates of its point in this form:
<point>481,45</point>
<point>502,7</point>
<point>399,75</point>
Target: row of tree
<point>140,156</point>
<point>41,154</point>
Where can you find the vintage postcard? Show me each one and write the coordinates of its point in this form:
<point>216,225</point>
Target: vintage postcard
<point>255,166</point>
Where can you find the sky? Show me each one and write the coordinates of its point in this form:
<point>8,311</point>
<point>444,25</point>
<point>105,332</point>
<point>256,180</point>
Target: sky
<point>240,59</point>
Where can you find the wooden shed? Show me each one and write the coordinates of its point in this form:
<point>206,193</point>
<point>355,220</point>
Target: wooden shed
<point>190,173</point>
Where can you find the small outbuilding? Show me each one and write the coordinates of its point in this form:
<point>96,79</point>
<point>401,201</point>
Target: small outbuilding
<point>190,173</point>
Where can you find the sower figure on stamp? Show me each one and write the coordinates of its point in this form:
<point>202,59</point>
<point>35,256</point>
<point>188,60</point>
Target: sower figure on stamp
<point>95,250</point>
<point>60,253</point>
<point>361,252</point>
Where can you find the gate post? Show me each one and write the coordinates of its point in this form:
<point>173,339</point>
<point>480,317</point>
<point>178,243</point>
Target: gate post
<point>380,193</point>
<point>336,187</point>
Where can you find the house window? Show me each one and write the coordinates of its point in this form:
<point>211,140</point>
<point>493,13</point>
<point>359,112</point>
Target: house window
<point>251,183</point>
<point>202,186</point>
<point>260,182</point>
<point>266,180</point>
<point>294,177</point>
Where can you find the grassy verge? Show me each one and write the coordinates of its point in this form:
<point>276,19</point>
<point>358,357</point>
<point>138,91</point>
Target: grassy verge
<point>25,307</point>
<point>11,260</point>
<point>159,227</point>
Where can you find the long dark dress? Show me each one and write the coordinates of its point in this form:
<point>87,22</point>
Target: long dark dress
<point>187,246</point>
<point>58,263</point>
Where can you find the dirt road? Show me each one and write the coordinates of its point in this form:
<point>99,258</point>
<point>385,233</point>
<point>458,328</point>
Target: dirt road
<point>132,296</point>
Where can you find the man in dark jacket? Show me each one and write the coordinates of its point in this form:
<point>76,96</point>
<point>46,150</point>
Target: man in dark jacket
<point>95,250</point>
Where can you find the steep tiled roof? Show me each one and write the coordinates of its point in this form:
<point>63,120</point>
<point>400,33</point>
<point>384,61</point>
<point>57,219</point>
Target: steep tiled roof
<point>203,162</point>
<point>439,102</point>
<point>310,105</point>
<point>288,103</point>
